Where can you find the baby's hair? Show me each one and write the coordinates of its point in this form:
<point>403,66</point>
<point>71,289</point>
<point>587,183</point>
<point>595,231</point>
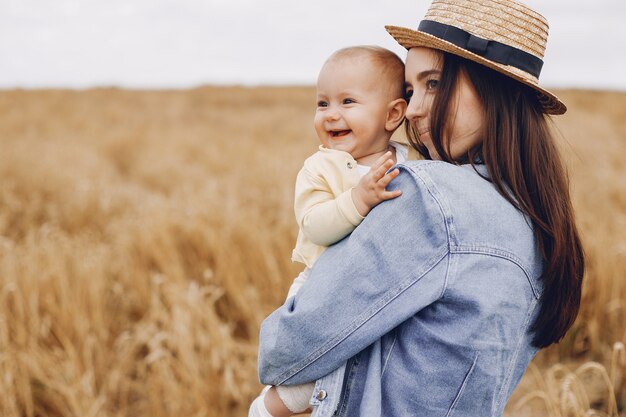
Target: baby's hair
<point>390,64</point>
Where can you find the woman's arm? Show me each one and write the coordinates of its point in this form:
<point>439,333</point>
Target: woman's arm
<point>360,288</point>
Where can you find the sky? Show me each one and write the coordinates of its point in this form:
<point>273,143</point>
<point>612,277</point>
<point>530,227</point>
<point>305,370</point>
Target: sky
<point>187,43</point>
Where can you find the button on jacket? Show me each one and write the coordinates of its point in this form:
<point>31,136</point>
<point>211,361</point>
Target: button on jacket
<point>429,301</point>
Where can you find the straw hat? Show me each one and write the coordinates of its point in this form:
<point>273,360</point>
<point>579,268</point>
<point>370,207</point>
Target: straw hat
<point>504,35</point>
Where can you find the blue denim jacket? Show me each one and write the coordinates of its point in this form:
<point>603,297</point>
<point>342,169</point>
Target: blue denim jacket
<point>424,310</point>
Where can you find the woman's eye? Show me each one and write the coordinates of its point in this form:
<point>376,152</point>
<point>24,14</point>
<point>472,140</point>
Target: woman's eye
<point>432,84</point>
<point>322,104</point>
<point>348,101</point>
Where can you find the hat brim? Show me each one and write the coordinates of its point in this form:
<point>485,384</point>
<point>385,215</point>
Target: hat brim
<point>410,38</point>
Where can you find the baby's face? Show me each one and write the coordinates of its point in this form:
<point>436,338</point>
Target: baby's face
<point>352,107</point>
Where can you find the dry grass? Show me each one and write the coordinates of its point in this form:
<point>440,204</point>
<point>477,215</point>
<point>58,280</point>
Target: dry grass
<point>145,235</point>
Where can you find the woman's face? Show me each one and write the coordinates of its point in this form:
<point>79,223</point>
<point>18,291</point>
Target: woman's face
<point>465,121</point>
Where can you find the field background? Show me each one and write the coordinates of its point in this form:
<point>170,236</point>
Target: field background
<point>144,235</point>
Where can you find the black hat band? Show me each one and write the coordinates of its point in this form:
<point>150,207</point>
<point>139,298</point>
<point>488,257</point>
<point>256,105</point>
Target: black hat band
<point>491,50</point>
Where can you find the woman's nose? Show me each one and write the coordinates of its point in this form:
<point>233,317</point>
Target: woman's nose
<point>416,107</point>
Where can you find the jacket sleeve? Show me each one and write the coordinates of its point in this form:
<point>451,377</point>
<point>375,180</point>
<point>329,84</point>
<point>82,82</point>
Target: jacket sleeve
<point>360,288</point>
<point>323,217</point>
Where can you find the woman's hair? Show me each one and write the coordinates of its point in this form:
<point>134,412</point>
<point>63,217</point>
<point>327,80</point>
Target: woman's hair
<point>524,164</point>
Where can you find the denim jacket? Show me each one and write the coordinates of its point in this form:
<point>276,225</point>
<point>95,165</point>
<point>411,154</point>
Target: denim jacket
<point>424,310</point>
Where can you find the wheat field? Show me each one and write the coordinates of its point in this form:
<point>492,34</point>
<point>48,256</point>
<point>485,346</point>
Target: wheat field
<point>144,236</point>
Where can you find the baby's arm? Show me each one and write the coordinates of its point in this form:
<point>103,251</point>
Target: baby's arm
<point>325,218</point>
<point>372,189</point>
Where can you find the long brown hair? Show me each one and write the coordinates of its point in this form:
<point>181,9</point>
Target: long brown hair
<point>524,164</point>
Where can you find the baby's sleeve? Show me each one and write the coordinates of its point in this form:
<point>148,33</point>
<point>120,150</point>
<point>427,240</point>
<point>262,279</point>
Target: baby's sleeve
<point>322,215</point>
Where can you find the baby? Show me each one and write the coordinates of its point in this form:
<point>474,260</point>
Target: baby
<point>359,105</point>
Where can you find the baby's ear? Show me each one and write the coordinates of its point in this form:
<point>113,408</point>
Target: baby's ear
<point>395,114</point>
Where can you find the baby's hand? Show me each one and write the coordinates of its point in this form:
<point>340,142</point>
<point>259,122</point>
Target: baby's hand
<point>371,190</point>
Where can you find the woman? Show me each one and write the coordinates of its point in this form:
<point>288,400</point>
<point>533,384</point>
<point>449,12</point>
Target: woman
<point>441,298</point>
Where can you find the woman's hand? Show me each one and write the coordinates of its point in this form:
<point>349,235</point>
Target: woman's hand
<point>372,189</point>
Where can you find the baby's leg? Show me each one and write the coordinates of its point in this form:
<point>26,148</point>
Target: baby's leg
<point>296,397</point>
<point>275,405</point>
<point>282,401</point>
<point>258,408</point>
<point>299,281</point>
<point>268,404</point>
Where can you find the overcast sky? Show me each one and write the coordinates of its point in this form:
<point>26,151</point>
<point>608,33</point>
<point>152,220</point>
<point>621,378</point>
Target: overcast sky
<point>186,43</point>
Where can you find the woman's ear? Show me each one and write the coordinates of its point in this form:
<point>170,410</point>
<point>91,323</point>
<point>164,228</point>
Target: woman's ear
<point>395,114</point>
